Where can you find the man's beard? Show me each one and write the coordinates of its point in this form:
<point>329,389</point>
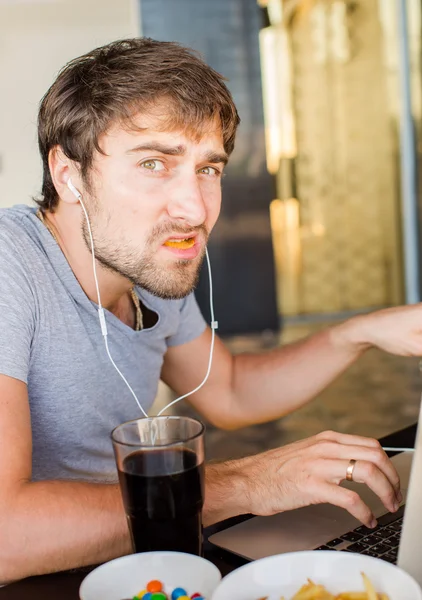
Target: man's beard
<point>174,280</point>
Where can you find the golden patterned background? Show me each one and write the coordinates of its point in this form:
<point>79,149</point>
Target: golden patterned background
<point>336,223</point>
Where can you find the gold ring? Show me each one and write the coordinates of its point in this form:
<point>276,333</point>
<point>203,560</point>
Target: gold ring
<point>350,469</point>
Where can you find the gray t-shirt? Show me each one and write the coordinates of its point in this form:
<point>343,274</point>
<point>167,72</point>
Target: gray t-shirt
<point>50,338</point>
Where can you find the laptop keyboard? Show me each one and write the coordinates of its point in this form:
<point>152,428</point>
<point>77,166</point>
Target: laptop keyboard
<point>381,542</point>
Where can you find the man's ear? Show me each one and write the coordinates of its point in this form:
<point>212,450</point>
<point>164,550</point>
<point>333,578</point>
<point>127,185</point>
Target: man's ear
<point>61,170</point>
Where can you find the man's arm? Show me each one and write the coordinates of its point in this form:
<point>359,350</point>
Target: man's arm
<point>49,525</point>
<point>254,388</point>
<point>55,525</point>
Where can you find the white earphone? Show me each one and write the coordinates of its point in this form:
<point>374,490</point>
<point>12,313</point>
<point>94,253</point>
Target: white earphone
<point>72,188</point>
<point>101,314</point>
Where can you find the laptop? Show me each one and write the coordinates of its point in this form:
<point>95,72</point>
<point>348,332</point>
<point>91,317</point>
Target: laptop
<point>396,539</point>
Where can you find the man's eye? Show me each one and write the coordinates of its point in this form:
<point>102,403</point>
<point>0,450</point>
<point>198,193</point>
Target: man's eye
<point>152,165</point>
<point>209,171</point>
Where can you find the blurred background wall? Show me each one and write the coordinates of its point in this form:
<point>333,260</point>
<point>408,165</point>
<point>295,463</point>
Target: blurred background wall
<point>36,39</point>
<point>333,102</point>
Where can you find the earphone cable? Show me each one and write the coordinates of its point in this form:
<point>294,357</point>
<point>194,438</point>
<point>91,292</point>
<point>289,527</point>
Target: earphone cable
<point>103,324</point>
<point>101,314</point>
<point>214,326</point>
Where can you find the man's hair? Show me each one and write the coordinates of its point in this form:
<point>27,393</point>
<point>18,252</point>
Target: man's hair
<point>114,83</point>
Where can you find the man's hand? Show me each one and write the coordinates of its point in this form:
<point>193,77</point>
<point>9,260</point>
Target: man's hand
<point>396,330</point>
<point>309,472</point>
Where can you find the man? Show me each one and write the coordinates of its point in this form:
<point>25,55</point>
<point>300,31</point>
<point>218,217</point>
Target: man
<point>143,129</point>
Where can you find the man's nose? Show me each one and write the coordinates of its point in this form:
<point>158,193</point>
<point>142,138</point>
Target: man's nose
<point>187,203</point>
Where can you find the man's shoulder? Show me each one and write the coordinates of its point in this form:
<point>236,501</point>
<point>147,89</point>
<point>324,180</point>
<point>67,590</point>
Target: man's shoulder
<point>16,216</point>
<point>19,242</point>
<point>15,225</point>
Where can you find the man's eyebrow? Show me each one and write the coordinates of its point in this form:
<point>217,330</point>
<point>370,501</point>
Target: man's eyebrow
<point>216,157</point>
<point>157,147</point>
<point>212,157</point>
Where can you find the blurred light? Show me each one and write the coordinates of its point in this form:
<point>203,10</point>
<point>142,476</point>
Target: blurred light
<point>339,29</point>
<point>280,134</point>
<point>275,11</point>
<point>319,26</point>
<point>285,226</point>
<point>318,229</point>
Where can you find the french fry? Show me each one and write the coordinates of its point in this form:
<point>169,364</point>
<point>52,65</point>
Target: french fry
<point>370,590</point>
<point>352,596</point>
<point>310,591</point>
<point>313,591</point>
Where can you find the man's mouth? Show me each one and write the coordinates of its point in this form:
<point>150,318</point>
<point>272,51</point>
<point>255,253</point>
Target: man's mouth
<point>182,244</point>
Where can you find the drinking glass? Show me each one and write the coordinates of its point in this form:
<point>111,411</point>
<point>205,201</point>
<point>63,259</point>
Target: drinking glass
<point>160,461</point>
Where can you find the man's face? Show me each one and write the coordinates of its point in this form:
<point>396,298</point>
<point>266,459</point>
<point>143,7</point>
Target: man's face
<point>154,198</point>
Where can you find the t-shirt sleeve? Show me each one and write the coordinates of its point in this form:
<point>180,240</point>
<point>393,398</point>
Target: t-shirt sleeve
<point>16,312</point>
<point>191,324</point>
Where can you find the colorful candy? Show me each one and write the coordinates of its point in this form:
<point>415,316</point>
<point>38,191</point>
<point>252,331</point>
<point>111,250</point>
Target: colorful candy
<point>178,593</point>
<point>154,591</point>
<point>154,586</point>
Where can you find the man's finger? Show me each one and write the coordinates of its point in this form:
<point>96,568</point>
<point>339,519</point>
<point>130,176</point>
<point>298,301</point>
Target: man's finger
<point>377,456</point>
<point>366,473</point>
<point>350,501</point>
<point>349,440</point>
<point>369,474</point>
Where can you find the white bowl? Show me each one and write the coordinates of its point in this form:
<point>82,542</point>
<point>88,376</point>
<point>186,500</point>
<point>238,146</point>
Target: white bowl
<point>284,574</point>
<point>124,577</point>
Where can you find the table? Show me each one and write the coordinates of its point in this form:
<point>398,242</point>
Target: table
<point>65,586</point>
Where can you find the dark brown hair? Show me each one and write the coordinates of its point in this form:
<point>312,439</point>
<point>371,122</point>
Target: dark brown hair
<point>112,84</point>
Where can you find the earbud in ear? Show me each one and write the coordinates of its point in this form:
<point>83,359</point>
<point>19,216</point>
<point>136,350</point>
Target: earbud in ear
<point>73,189</point>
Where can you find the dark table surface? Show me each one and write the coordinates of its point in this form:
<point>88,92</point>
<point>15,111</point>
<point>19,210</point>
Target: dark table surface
<point>65,586</point>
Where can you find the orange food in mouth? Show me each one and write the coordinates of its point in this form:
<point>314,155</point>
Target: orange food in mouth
<point>181,244</point>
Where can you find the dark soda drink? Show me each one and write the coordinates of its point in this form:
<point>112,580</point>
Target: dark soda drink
<point>163,493</point>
